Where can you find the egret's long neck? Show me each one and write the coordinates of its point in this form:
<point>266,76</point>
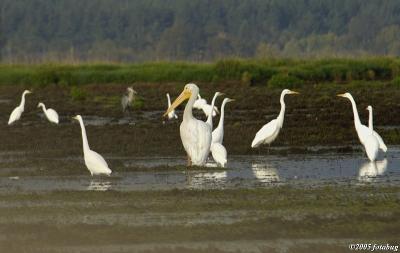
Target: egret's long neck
<point>22,104</point>
<point>209,119</point>
<point>43,107</point>
<point>84,137</point>
<point>357,121</point>
<point>282,112</point>
<point>370,121</point>
<point>187,113</point>
<point>169,100</point>
<point>221,118</point>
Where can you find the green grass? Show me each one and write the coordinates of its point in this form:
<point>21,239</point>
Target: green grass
<point>250,72</point>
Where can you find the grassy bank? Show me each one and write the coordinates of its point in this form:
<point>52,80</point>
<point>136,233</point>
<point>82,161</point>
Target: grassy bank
<point>74,221</point>
<point>273,72</point>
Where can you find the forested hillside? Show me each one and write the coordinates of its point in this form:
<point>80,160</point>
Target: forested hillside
<point>195,30</point>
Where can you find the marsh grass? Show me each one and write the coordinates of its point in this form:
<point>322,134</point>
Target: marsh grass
<point>249,72</point>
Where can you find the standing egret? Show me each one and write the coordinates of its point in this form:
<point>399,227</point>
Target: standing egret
<point>17,112</point>
<point>172,114</point>
<point>93,161</point>
<point>127,99</point>
<point>268,133</point>
<point>51,114</point>
<point>218,133</point>
<point>218,151</point>
<point>382,145</point>
<point>219,154</point>
<point>195,134</point>
<point>366,135</point>
<point>199,102</point>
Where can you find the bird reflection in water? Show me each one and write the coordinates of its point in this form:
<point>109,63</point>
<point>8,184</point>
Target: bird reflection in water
<point>370,170</point>
<point>99,185</point>
<point>265,173</point>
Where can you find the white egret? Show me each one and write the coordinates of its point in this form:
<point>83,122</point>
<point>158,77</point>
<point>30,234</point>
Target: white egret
<point>210,108</point>
<point>218,133</point>
<point>127,99</point>
<point>199,102</point>
<point>268,133</point>
<point>51,114</point>
<point>93,161</point>
<point>366,135</point>
<point>219,154</point>
<point>172,114</point>
<point>195,134</point>
<point>382,145</point>
<point>17,112</point>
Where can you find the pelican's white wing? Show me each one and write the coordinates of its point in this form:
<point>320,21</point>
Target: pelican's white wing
<point>219,154</point>
<point>381,143</point>
<point>52,115</point>
<point>266,134</point>
<point>96,163</point>
<point>15,115</point>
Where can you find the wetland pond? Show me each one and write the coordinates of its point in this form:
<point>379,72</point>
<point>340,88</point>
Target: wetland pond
<point>166,173</point>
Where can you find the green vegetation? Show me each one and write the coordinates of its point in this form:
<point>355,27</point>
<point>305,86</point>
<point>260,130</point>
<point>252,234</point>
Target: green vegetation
<point>278,73</point>
<point>136,31</point>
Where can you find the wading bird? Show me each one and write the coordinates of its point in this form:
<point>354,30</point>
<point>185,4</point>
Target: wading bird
<point>195,134</point>
<point>268,133</point>
<point>93,161</point>
<point>17,112</point>
<point>366,135</point>
<point>382,145</point>
<point>218,150</point>
<point>127,99</point>
<point>51,114</point>
<point>171,114</point>
<point>201,104</point>
<point>218,133</point>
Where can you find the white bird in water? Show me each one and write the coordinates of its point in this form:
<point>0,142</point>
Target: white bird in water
<point>218,151</point>
<point>218,133</point>
<point>127,99</point>
<point>366,135</point>
<point>171,114</point>
<point>382,145</point>
<point>17,112</point>
<point>268,133</point>
<point>93,161</point>
<point>51,114</point>
<point>201,104</point>
<point>195,134</point>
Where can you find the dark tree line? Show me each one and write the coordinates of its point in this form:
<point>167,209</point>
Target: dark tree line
<point>196,30</point>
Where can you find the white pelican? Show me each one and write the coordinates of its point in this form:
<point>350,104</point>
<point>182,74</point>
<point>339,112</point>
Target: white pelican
<point>17,112</point>
<point>172,114</point>
<point>219,154</point>
<point>268,133</point>
<point>218,133</point>
<point>195,134</point>
<point>126,100</point>
<point>51,114</point>
<point>382,145</point>
<point>366,135</point>
<point>93,161</point>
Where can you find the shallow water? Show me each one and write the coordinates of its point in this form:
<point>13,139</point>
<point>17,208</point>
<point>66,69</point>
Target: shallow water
<point>161,173</point>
